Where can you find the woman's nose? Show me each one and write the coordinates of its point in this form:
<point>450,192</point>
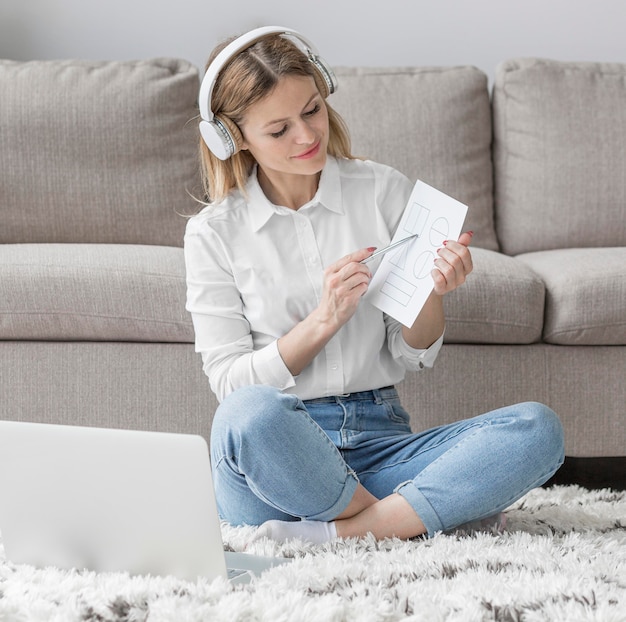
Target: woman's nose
<point>304,133</point>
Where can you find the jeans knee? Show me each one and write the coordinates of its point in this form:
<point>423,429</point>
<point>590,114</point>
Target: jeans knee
<point>249,408</point>
<point>545,430</point>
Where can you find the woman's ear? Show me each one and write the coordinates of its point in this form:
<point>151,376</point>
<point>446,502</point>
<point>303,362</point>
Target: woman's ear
<point>243,144</point>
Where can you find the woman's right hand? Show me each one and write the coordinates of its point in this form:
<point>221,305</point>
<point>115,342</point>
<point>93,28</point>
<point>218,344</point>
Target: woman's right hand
<point>345,282</point>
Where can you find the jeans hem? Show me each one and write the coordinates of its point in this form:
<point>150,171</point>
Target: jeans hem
<point>422,507</point>
<point>342,502</point>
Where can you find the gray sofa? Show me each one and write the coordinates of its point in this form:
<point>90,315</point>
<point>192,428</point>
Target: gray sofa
<point>98,170</point>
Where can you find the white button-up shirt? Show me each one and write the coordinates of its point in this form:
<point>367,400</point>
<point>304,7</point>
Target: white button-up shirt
<point>254,270</point>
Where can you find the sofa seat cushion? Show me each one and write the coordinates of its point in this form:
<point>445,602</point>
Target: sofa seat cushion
<point>585,294</point>
<point>502,302</point>
<point>93,292</point>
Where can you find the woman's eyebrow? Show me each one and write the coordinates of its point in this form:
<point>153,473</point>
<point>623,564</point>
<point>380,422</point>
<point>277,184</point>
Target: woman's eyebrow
<point>287,118</point>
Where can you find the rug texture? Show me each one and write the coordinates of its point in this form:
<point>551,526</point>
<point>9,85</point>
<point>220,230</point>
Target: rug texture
<point>562,557</point>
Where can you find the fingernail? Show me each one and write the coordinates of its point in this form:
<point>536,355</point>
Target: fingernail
<point>371,249</point>
<point>470,232</point>
<point>445,242</point>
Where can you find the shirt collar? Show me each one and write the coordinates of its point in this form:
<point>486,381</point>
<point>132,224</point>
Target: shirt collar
<point>328,195</point>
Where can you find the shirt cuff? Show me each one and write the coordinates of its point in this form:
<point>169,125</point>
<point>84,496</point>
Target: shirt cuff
<point>271,368</point>
<point>419,358</point>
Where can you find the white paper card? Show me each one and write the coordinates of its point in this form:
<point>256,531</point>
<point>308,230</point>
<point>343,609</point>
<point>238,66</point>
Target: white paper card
<point>402,283</point>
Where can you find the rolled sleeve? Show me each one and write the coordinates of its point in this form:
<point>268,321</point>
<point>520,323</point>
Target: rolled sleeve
<point>230,367</point>
<point>271,368</point>
<point>413,358</point>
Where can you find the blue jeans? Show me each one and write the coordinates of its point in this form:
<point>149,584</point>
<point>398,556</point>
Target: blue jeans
<point>277,457</point>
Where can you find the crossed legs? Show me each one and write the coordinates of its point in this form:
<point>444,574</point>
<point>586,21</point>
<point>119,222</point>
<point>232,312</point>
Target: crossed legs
<point>272,461</point>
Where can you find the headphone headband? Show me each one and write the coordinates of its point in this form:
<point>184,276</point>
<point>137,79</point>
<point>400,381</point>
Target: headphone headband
<point>218,133</point>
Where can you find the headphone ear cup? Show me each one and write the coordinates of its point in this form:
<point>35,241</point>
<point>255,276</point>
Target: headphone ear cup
<point>221,136</point>
<point>322,87</point>
<point>325,78</point>
<point>234,132</point>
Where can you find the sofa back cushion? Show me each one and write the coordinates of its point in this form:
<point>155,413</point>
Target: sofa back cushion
<point>430,123</point>
<point>97,151</point>
<point>559,154</point>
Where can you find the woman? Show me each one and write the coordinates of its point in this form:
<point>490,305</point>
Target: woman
<point>310,439</point>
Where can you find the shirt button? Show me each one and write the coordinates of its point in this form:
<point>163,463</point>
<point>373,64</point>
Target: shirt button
<point>421,365</point>
<point>334,367</point>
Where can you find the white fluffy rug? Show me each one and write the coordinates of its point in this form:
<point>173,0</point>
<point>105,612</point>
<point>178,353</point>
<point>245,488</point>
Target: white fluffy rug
<point>563,557</point>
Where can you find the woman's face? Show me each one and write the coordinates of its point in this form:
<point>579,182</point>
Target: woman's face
<point>287,131</point>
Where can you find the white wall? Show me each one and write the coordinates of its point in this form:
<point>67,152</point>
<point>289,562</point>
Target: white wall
<point>347,32</point>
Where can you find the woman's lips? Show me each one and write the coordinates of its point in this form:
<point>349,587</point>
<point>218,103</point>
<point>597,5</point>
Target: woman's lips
<point>310,153</point>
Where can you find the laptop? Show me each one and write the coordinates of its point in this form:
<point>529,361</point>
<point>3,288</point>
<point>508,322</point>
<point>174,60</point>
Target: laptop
<point>113,500</point>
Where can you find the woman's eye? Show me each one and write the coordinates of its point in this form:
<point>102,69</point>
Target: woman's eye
<point>314,110</point>
<point>279,133</point>
<point>308,113</point>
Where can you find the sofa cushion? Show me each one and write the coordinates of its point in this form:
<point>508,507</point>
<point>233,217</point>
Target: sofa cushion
<point>97,151</point>
<point>501,302</point>
<point>432,124</point>
<point>559,154</point>
<point>585,294</point>
<point>93,292</point>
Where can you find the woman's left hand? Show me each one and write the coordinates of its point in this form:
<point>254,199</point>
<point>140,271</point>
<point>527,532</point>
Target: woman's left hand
<point>453,264</point>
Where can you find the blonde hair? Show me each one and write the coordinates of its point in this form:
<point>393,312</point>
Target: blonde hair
<point>247,79</point>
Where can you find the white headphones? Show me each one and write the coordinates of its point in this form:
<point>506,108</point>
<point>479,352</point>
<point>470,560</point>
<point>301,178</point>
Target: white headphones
<point>221,135</point>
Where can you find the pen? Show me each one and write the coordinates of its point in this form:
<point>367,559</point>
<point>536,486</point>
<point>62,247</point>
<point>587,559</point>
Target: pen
<point>382,251</point>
